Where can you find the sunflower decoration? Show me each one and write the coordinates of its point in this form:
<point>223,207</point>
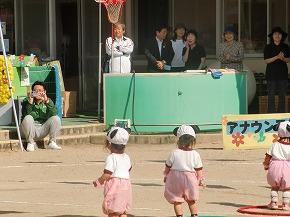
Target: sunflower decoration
<point>4,83</point>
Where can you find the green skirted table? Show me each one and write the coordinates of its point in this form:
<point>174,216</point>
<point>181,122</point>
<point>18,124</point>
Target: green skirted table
<point>158,102</point>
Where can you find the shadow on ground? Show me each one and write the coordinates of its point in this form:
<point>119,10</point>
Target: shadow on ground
<point>9,212</point>
<point>73,216</point>
<point>220,187</point>
<point>128,215</point>
<point>211,148</point>
<point>75,183</point>
<point>95,161</point>
<point>43,162</point>
<point>238,205</point>
<point>156,161</point>
<point>203,216</point>
<point>226,160</point>
<point>147,184</point>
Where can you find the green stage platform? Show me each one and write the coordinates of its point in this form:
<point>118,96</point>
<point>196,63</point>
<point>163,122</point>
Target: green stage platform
<point>158,102</point>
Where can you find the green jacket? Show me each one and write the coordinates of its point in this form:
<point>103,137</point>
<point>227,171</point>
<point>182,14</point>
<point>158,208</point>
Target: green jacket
<point>40,112</point>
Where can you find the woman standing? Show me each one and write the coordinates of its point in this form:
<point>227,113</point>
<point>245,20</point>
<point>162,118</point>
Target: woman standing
<point>231,52</point>
<point>178,43</point>
<point>276,55</point>
<point>193,53</point>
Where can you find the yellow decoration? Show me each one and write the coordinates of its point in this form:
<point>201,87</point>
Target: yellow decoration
<point>4,83</point>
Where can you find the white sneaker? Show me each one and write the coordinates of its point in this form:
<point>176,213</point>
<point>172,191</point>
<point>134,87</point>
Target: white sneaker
<point>53,145</point>
<point>273,205</point>
<point>31,147</point>
<point>286,206</point>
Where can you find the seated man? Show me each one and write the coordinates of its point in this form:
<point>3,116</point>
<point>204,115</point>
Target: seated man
<point>39,118</point>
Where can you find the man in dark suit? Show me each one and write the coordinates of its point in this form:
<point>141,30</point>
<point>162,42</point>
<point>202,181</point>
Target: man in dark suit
<point>159,51</point>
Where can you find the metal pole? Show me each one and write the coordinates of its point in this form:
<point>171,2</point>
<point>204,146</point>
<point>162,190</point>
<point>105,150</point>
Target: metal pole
<point>239,20</point>
<point>112,48</point>
<point>268,20</point>
<point>10,87</point>
<point>100,60</point>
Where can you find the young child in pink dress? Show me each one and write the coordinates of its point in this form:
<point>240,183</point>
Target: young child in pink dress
<point>277,162</point>
<point>183,172</point>
<point>116,175</point>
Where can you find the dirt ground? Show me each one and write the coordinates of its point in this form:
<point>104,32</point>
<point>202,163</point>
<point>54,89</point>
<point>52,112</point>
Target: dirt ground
<point>49,183</point>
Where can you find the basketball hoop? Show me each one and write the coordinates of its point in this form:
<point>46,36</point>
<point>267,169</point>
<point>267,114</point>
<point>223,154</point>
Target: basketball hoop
<point>113,9</point>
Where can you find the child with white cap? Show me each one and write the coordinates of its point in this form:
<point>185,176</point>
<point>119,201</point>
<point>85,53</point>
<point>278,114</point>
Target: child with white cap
<point>116,175</point>
<point>183,172</point>
<point>277,162</point>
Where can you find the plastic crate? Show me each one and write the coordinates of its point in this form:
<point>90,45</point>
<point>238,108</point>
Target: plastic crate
<point>49,75</point>
<point>263,104</point>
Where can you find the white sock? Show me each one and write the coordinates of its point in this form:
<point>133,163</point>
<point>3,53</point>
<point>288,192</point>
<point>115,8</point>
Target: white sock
<point>274,196</point>
<point>286,197</point>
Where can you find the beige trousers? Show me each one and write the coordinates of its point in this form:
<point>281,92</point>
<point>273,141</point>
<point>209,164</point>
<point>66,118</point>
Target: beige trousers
<point>33,131</point>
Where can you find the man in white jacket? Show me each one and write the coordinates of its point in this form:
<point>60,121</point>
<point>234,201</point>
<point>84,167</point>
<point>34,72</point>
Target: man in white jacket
<point>122,49</point>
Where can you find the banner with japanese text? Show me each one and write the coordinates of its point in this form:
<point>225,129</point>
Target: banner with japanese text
<point>252,131</point>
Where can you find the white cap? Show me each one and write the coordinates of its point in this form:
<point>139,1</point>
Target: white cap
<point>118,135</point>
<point>283,129</point>
<point>185,129</point>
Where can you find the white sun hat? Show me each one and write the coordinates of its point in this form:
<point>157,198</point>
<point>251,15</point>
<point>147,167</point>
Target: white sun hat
<point>118,135</point>
<point>184,129</point>
<point>283,129</point>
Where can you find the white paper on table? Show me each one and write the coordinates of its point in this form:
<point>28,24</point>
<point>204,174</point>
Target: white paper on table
<point>25,76</point>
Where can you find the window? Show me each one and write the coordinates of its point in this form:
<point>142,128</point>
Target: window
<point>230,12</point>
<point>33,27</point>
<point>288,18</point>
<point>253,25</point>
<point>278,13</point>
<point>90,33</point>
<point>7,19</point>
<point>253,17</point>
<point>150,14</point>
<point>201,16</point>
